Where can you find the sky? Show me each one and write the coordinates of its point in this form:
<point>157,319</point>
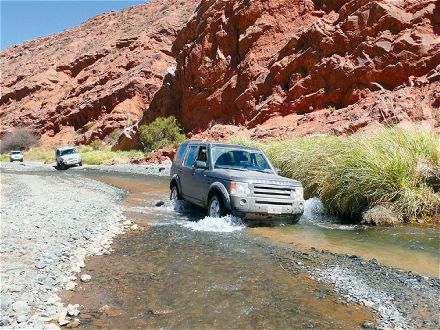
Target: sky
<point>25,20</point>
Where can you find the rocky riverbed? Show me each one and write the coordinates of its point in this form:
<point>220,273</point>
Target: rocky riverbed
<point>49,224</point>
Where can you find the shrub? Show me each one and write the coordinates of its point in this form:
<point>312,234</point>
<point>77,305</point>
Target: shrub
<point>97,144</point>
<point>160,133</point>
<point>393,167</point>
<point>20,138</point>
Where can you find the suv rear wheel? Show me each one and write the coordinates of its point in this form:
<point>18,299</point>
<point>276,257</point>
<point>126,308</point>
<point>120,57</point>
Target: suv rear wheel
<point>216,209</point>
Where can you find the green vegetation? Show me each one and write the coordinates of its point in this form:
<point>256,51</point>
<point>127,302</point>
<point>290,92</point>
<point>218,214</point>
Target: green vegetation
<point>162,132</point>
<point>106,156</point>
<point>97,144</point>
<point>89,155</point>
<point>397,168</point>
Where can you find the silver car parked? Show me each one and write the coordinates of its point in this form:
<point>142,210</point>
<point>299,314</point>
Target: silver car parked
<point>226,178</point>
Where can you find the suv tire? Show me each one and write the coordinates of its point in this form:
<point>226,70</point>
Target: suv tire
<point>216,209</point>
<point>175,195</point>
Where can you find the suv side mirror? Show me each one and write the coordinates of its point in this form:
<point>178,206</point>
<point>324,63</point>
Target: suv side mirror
<point>200,164</point>
<point>278,171</point>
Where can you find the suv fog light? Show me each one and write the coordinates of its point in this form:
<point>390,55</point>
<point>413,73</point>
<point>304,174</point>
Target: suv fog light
<point>243,202</point>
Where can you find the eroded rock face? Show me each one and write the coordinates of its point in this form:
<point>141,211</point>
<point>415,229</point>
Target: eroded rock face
<point>296,67</point>
<point>87,82</point>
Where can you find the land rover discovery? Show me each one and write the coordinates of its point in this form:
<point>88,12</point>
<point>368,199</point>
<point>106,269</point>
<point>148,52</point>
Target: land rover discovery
<point>233,179</point>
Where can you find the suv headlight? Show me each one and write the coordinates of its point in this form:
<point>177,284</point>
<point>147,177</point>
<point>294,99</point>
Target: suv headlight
<point>299,192</point>
<point>240,189</point>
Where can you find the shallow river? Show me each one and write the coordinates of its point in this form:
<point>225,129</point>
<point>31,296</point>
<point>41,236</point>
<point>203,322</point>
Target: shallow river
<point>412,248</point>
<point>185,270</point>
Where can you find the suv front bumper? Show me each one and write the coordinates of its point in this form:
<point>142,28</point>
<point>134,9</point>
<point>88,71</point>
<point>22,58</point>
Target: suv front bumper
<point>71,161</point>
<point>248,208</point>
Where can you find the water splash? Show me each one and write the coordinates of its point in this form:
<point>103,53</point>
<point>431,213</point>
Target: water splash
<point>226,224</point>
<point>162,207</point>
<point>316,214</point>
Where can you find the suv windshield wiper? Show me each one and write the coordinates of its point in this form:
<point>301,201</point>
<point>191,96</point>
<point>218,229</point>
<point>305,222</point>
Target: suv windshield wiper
<point>262,171</point>
<point>233,168</point>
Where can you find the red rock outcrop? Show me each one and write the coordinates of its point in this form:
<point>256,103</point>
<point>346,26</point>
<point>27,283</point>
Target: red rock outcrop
<point>160,156</point>
<point>282,67</point>
<point>92,80</point>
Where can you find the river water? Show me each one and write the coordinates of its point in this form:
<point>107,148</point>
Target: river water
<point>407,247</point>
<point>185,270</point>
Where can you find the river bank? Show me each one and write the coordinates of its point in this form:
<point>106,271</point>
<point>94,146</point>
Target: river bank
<point>50,224</point>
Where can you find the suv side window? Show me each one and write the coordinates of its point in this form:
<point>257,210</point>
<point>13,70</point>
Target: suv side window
<point>191,156</point>
<point>203,154</point>
<point>181,152</point>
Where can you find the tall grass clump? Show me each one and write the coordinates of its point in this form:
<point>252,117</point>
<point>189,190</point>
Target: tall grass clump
<point>396,168</point>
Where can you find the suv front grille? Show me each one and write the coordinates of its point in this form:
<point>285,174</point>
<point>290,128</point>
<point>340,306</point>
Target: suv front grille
<point>273,195</point>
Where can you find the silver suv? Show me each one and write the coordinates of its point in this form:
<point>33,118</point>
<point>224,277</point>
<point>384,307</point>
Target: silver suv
<point>67,156</point>
<point>226,178</point>
<point>16,155</point>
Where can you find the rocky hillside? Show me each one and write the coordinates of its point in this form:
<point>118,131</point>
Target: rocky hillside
<point>94,79</point>
<point>282,67</point>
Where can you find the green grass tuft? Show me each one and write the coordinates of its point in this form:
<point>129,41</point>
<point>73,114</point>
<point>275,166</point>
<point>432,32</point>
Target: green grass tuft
<point>394,167</point>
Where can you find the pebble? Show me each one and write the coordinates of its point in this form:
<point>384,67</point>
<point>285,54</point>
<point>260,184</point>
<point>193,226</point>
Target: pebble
<point>86,278</point>
<point>368,325</point>
<point>20,307</point>
<point>3,321</point>
<point>73,310</point>
<point>74,324</point>
<point>22,318</point>
<point>40,264</point>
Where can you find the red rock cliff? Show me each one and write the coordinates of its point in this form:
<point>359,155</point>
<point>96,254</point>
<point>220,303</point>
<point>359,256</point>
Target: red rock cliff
<point>302,66</point>
<point>89,81</point>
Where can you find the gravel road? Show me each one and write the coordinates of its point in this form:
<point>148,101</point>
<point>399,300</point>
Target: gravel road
<point>146,169</point>
<point>49,224</point>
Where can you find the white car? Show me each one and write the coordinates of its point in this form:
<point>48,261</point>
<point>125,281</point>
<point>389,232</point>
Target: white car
<point>16,155</point>
<point>67,156</point>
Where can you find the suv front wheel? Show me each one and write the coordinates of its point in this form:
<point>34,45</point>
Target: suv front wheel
<point>174,195</point>
<point>216,209</point>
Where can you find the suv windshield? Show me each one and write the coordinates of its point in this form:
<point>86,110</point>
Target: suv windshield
<point>68,152</point>
<point>224,157</point>
<point>15,152</point>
